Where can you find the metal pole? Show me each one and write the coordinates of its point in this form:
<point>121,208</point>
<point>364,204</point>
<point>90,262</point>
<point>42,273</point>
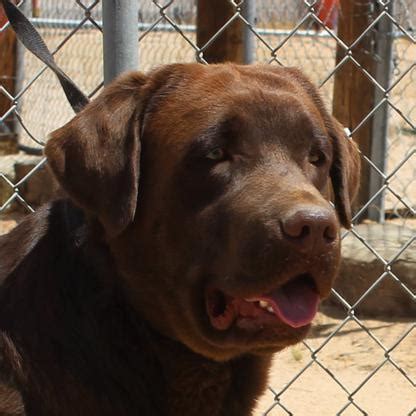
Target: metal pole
<point>384,55</point>
<point>20,72</point>
<point>120,37</point>
<point>249,13</point>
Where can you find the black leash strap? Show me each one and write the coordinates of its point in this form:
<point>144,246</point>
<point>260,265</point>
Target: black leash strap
<point>29,36</point>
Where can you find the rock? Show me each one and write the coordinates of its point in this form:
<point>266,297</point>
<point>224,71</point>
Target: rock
<point>36,189</point>
<point>6,173</point>
<point>39,187</point>
<point>394,294</point>
<point>8,144</point>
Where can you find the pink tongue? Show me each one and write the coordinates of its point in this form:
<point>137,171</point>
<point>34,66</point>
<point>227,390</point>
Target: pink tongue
<point>296,303</point>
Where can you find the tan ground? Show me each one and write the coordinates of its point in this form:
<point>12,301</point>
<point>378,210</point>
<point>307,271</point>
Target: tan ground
<point>351,356</point>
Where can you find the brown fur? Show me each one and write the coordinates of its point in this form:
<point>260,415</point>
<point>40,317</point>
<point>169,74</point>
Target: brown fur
<point>102,294</point>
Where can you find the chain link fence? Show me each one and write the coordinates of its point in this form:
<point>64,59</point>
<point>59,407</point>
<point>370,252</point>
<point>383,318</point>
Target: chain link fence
<point>354,362</point>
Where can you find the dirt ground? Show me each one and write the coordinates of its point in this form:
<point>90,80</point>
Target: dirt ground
<point>348,361</point>
<point>342,365</point>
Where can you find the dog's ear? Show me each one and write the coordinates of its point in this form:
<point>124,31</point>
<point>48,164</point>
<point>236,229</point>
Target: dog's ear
<point>95,157</point>
<point>345,172</point>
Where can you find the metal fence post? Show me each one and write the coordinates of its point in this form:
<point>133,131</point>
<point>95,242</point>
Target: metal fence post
<point>383,72</point>
<point>20,74</point>
<point>8,64</point>
<point>120,37</point>
<point>249,13</point>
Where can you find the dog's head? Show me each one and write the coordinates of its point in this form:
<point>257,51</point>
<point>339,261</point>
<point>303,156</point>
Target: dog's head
<point>211,184</point>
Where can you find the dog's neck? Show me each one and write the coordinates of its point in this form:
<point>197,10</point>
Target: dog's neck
<point>117,360</point>
<point>201,386</point>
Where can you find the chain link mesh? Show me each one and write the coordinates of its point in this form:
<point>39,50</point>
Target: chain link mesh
<point>349,365</point>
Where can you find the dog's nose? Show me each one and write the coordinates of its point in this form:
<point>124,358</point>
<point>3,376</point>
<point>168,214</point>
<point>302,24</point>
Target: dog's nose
<point>311,229</point>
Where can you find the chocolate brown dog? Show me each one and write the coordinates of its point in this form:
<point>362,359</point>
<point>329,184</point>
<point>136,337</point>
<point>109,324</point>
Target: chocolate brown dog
<point>197,239</point>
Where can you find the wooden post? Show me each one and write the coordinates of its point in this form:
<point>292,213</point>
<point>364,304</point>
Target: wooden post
<point>8,48</point>
<point>229,46</point>
<point>36,8</point>
<point>354,93</point>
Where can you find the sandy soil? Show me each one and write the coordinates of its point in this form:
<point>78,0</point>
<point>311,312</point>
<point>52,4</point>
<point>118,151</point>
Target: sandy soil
<point>8,221</point>
<point>345,363</point>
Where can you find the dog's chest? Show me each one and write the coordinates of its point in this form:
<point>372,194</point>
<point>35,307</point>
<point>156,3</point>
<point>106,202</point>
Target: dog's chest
<point>198,391</point>
<point>201,387</point>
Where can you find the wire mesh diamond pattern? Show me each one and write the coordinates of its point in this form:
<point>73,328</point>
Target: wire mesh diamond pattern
<point>293,33</point>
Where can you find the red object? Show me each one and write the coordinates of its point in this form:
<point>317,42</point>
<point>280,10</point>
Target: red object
<point>3,18</point>
<point>327,12</point>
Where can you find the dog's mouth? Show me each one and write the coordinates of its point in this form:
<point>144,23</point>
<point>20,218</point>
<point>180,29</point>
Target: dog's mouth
<point>295,304</point>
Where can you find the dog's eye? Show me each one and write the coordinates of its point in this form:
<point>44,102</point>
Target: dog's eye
<point>216,154</point>
<point>317,157</point>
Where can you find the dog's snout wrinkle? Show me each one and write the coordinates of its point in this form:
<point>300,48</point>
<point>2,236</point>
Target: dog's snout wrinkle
<point>310,229</point>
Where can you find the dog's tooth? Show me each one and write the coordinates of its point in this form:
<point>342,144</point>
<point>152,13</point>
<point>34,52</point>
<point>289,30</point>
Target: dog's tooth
<point>263,304</point>
<point>270,309</point>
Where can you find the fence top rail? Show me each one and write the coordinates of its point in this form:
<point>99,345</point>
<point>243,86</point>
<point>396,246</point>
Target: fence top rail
<point>43,22</point>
